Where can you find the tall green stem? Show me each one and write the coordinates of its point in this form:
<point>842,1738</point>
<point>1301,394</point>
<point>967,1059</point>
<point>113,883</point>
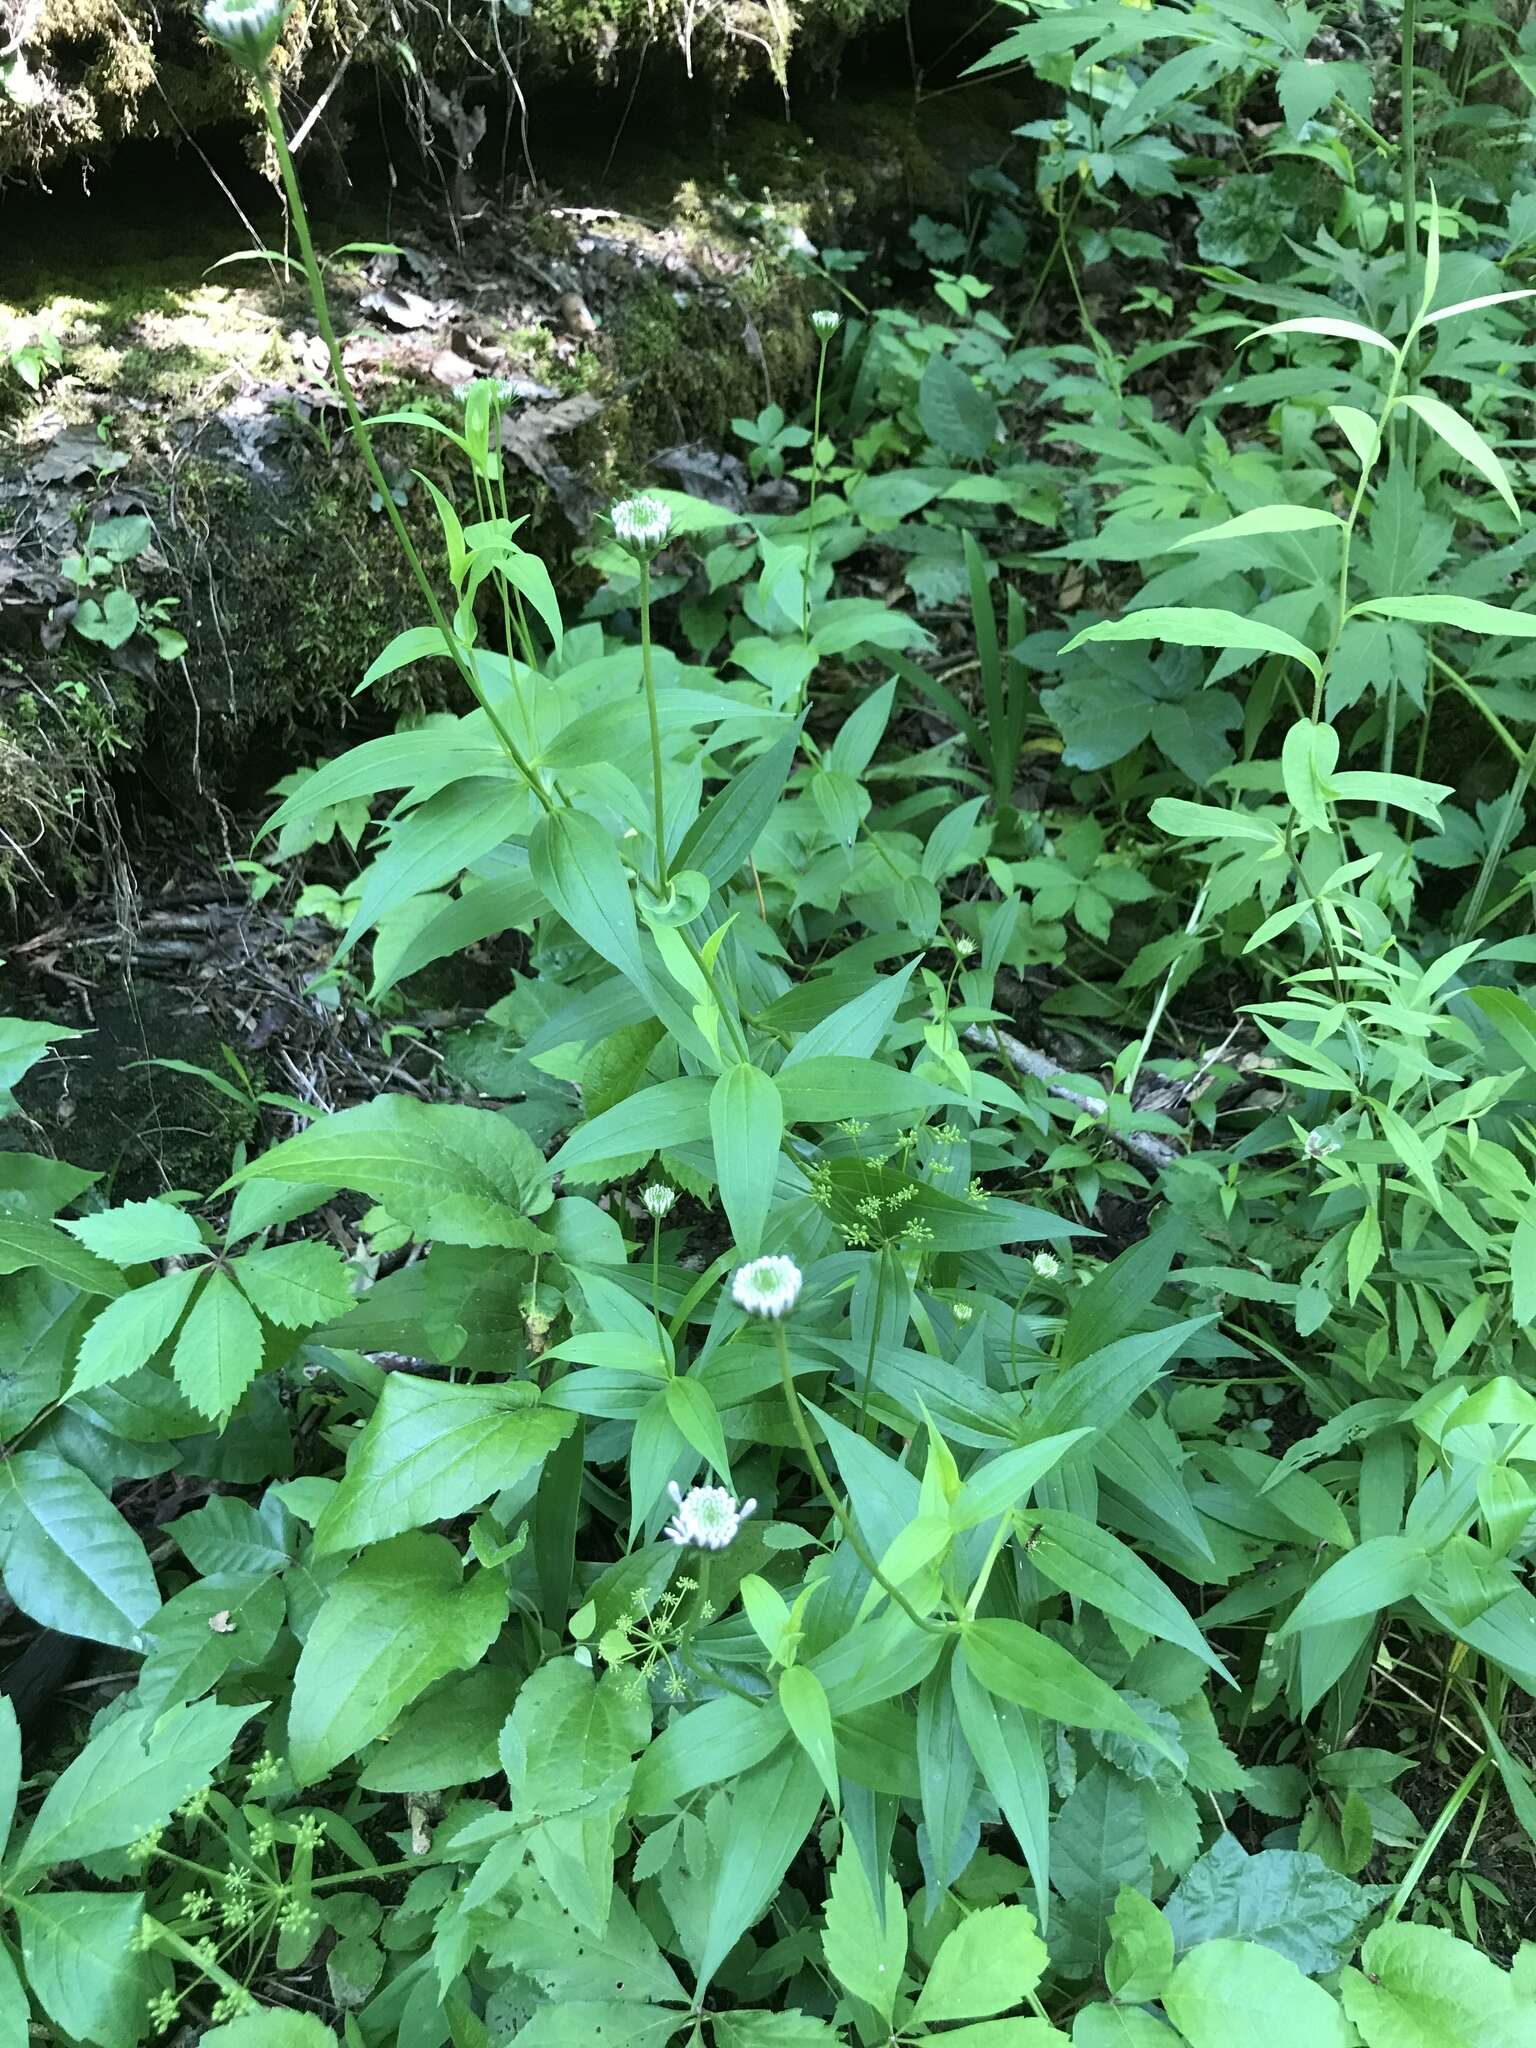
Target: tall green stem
<point>810,538</point>
<point>1514,805</point>
<point>844,1520</point>
<point>364,440</point>
<point>658,784</point>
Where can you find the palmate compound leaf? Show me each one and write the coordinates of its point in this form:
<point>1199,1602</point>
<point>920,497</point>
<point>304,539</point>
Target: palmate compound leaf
<point>432,1451</point>
<point>399,1618</point>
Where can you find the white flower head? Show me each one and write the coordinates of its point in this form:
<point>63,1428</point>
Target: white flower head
<point>641,525</point>
<point>767,1287</point>
<point>962,1311</point>
<point>826,322</point>
<point>657,1200</point>
<point>1046,1264</point>
<point>248,29</point>
<point>707,1517</point>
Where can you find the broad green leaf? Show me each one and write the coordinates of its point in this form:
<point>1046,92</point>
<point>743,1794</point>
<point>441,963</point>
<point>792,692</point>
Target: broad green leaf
<point>271,2029</point>
<point>1422,1987</point>
<point>137,1232</point>
<point>1140,1957</point>
<point>1194,626</point>
<point>432,1451</point>
<point>219,1351</point>
<point>720,1739</point>
<point>448,1738</point>
<point>467,1176</point>
<point>1100,1843</point>
<point>746,1124</point>
<point>202,1631</point>
<point>399,1618</point>
<point>1091,1564</point>
<point>543,1944</point>
<point>1234,1994</point>
<point>803,1702</point>
<point>127,1780</point>
<point>298,1285</point>
<point>1512,1017</point>
<point>1470,614</point>
<point>721,839</point>
<point>82,1965</point>
<point>1018,1663</point>
<point>482,911</point>
<point>45,1246</point>
<point>692,1409</point>
<point>783,2027</point>
<point>864,1953</point>
<point>1359,430</point>
<point>1374,1575</point>
<point>1287,1899</point>
<point>1185,820</point>
<point>70,1561</point>
<point>585,2022</point>
<point>1001,1483</point>
<point>130,1330</point>
<point>992,1961</point>
<point>1264,519</point>
<point>1463,437</point>
<point>957,416</point>
<point>434,844</point>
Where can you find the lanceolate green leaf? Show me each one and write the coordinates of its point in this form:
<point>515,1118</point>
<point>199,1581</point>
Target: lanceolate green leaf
<point>1095,1566</point>
<point>1194,626</point>
<point>1460,434</point>
<point>771,1811</point>
<point>130,1330</point>
<point>219,1351</point>
<point>574,862</point>
<point>746,1123</point>
<point>1374,1575</point>
<point>1018,1663</point>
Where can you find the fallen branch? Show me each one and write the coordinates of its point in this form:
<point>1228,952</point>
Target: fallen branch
<point>1143,1146</point>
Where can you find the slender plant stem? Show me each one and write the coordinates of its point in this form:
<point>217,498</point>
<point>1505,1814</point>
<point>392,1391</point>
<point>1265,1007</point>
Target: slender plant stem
<point>356,422</point>
<point>658,784</point>
<point>1514,808</point>
<point>810,536</point>
<point>874,1339</point>
<point>844,1520</point>
<point>1408,172</point>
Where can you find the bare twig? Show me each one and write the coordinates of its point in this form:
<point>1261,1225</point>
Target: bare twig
<point>1142,1146</point>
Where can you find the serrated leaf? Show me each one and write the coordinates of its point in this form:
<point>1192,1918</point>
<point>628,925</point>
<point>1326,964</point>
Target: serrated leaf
<point>138,1232</point>
<point>864,1954</point>
<point>129,1779</point>
<point>299,1285</point>
<point>130,1330</point>
<point>1421,1987</point>
<point>399,1618</point>
<point>991,1961</point>
<point>1140,1955</point>
<point>432,1451</point>
<point>1287,1899</point>
<point>82,1965</point>
<point>220,1349</point>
